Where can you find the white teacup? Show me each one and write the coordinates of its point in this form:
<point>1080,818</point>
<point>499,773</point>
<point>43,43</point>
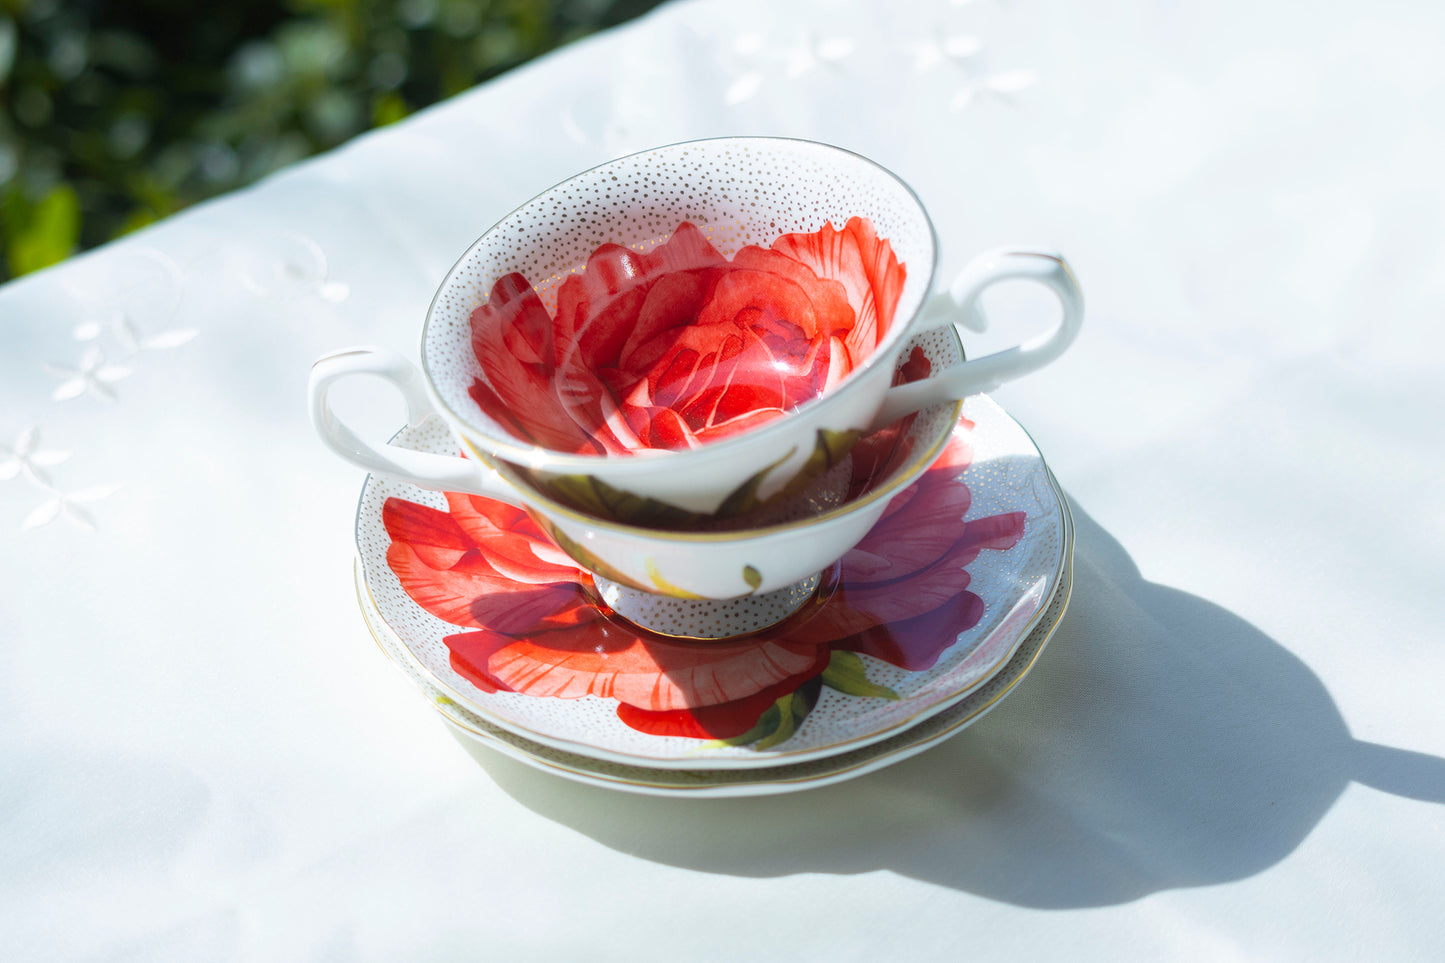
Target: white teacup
<point>609,314</point>
<point>735,581</point>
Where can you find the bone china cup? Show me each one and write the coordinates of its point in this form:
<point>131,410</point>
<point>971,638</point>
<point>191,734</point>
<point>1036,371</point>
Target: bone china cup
<point>631,562</point>
<point>691,332</point>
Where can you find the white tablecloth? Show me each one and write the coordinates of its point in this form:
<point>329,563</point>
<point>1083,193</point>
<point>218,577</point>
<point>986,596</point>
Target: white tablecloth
<point>1234,747</point>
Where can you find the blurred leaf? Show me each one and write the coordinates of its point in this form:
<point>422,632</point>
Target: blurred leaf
<point>125,52</point>
<point>257,65</point>
<point>387,109</point>
<point>136,110</point>
<point>138,218</point>
<point>9,39</point>
<point>311,47</point>
<point>44,233</point>
<point>334,116</point>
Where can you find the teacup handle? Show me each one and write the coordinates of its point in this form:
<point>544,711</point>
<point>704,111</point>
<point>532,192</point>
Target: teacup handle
<point>443,473</point>
<point>961,300</point>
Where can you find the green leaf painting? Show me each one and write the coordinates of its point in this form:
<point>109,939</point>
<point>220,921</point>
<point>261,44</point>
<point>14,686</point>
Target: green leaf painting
<point>592,495</point>
<point>745,498</point>
<point>665,587</point>
<point>778,724</point>
<point>847,673</point>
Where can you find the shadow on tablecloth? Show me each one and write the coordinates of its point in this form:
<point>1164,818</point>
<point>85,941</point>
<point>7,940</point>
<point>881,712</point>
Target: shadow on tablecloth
<point>1160,742</point>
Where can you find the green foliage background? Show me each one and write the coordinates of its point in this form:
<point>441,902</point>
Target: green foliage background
<point>115,113</point>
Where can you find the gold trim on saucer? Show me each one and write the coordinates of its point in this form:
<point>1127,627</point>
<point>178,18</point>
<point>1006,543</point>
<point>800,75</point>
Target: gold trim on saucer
<point>739,782</point>
<point>775,757</point>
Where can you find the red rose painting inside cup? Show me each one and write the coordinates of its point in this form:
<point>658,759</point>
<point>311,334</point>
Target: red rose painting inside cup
<point>680,346</point>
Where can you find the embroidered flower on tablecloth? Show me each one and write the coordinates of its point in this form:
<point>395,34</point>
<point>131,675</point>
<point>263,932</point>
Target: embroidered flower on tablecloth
<point>27,458</point>
<point>123,328</point>
<point>964,53</point>
<point>112,292</point>
<point>69,505</point>
<point>1000,86</point>
<point>94,375</point>
<point>804,53</point>
<point>286,265</point>
<point>957,49</point>
<point>534,626</point>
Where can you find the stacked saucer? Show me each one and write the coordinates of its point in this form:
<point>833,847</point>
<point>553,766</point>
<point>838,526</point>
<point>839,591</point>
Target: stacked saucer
<point>912,635</point>
<point>699,492</point>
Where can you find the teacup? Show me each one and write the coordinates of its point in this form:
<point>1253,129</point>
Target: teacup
<point>736,580</point>
<point>693,332</point>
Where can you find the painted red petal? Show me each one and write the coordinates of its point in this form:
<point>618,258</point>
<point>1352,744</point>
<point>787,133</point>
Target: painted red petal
<point>866,266</point>
<point>952,462</point>
<point>916,368</point>
<point>686,250</point>
<point>468,654</point>
<point>534,415</point>
<point>513,342</point>
<point>589,402</point>
<point>724,429</point>
<point>915,644</point>
<point>497,583</point>
<point>513,318</point>
<point>608,659</point>
<point>750,350</point>
<point>725,721</point>
<point>663,428</point>
<point>611,319</point>
<point>597,308</point>
<point>434,535</point>
<point>860,606</point>
<point>834,310</point>
<point>511,541</point>
<point>610,270</point>
<point>909,540</point>
<point>856,608</point>
<point>527,609</point>
<point>901,598</point>
<point>753,385</point>
<point>574,615</point>
<point>727,384</point>
<point>672,303</point>
<point>446,592</point>
<point>878,455</point>
<point>996,532</point>
<point>958,453</point>
<point>482,517</point>
<point>780,289</point>
<point>499,411</point>
<point>672,380</point>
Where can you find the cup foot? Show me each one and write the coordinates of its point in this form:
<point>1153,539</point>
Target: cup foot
<point>710,619</point>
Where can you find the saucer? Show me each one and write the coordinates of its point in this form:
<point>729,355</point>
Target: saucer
<point>927,609</point>
<point>714,783</point>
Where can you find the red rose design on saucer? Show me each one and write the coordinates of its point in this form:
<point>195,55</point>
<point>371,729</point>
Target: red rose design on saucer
<point>534,626</point>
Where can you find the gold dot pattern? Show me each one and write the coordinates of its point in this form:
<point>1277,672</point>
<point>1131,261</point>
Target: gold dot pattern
<point>737,191</point>
<point>706,618</point>
<point>773,775</point>
<point>1007,474</point>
